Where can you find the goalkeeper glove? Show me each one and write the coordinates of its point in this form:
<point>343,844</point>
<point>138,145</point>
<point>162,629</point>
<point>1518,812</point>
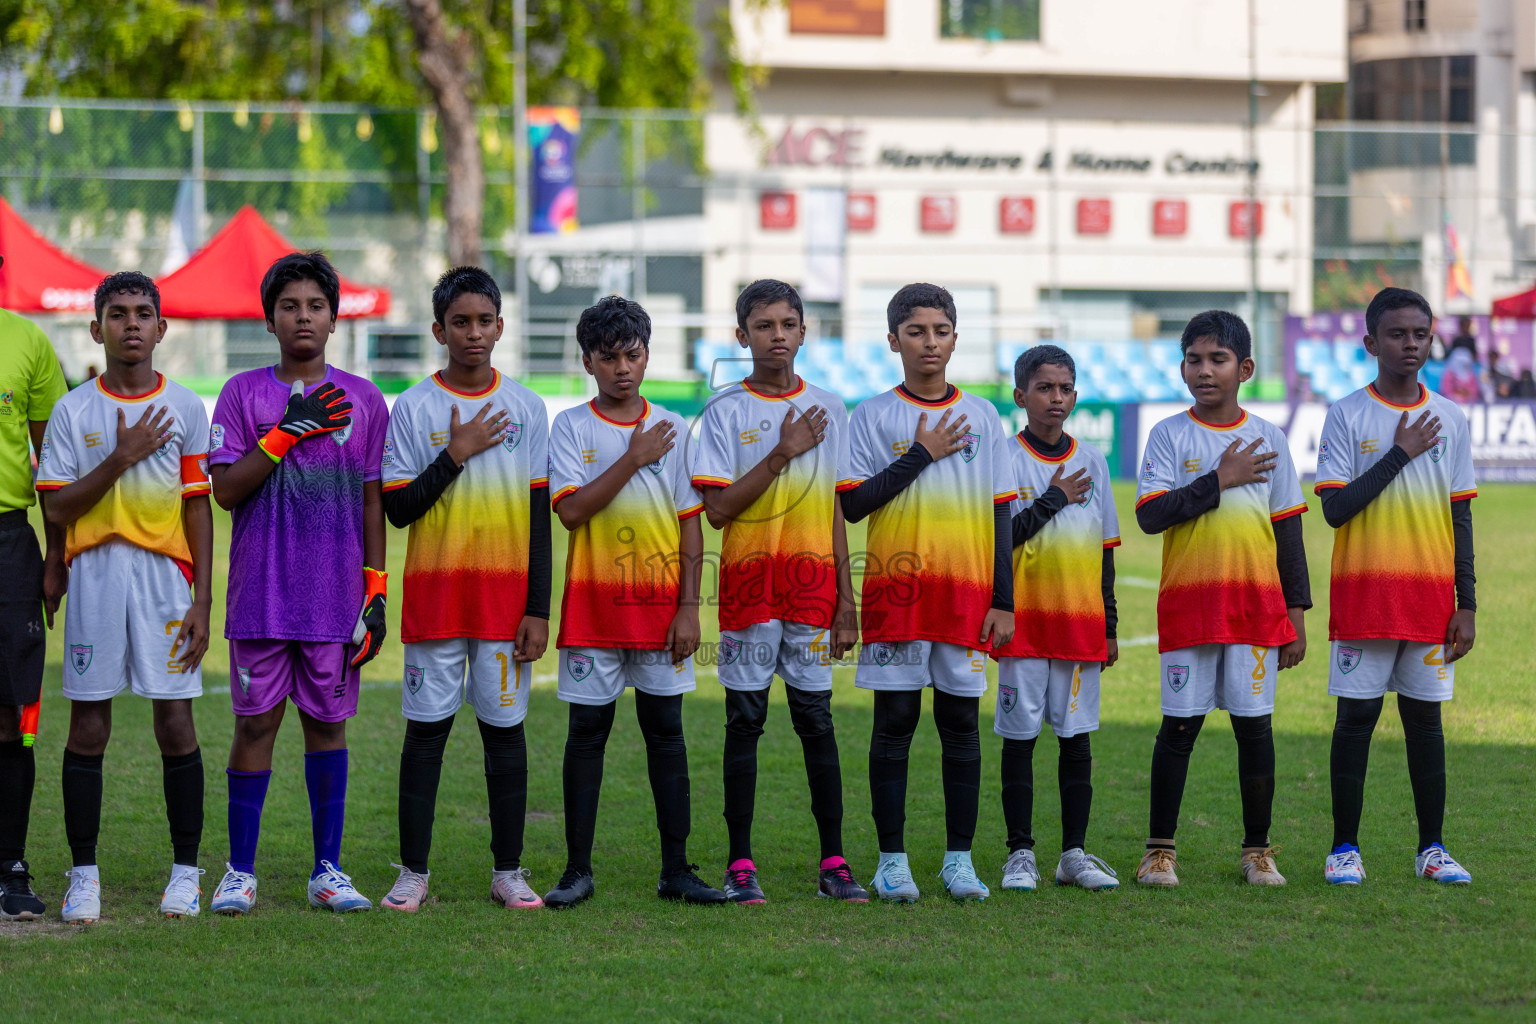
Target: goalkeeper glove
<point>320,412</point>
<point>369,632</point>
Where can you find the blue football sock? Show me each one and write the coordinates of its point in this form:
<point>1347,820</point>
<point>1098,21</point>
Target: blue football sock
<point>325,774</point>
<point>247,793</point>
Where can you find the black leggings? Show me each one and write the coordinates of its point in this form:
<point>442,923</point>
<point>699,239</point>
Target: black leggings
<point>810,712</point>
<point>666,755</point>
<point>1255,775</point>
<point>1425,740</point>
<point>896,715</point>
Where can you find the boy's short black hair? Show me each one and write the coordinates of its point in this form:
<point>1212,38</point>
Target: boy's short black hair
<point>1389,299</point>
<point>765,293</point>
<point>1226,329</point>
<point>300,266</point>
<point>613,322</point>
<point>1031,359</point>
<point>126,282</point>
<point>463,281</point>
<point>918,296</point>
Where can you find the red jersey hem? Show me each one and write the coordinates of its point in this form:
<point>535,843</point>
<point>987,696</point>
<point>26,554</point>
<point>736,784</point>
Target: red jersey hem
<point>457,634</point>
<point>1274,641</point>
<point>971,643</point>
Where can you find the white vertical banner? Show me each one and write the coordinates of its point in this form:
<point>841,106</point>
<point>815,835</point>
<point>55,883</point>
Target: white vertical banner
<point>826,229</point>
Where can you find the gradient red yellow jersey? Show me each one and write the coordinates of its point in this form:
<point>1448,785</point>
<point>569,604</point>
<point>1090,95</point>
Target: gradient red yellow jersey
<point>1394,563</point>
<point>776,558</point>
<point>621,567</point>
<point>466,559</point>
<point>1058,596</point>
<point>927,567</point>
<point>143,507</point>
<point>1221,583</point>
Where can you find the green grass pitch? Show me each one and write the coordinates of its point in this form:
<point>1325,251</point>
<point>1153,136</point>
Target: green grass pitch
<point>1397,948</point>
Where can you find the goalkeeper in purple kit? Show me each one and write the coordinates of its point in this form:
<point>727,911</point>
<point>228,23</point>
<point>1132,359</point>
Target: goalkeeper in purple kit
<point>296,454</point>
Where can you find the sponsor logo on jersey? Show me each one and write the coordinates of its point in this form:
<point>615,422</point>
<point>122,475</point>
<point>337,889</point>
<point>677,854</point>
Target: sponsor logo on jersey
<point>413,678</point>
<point>1438,448</point>
<point>216,437</point>
<point>882,652</point>
<point>1349,659</point>
<point>1008,698</point>
<point>1323,453</point>
<point>7,396</point>
<point>1178,675</point>
<point>512,437</point>
<point>1148,468</point>
<point>580,665</point>
<point>389,451</point>
<point>972,443</point>
<point>730,650</point>
<point>1370,447</point>
<point>42,455</point>
<point>80,657</point>
<point>1191,465</point>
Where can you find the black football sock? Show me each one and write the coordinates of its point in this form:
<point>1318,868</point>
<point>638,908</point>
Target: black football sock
<point>666,761</point>
<point>1353,724</point>
<point>582,778</point>
<point>421,768</point>
<point>1426,765</point>
<point>1018,774</point>
<point>1074,779</point>
<point>890,740</point>
<point>82,804</point>
<point>810,712</point>
<point>18,777</point>
<point>1170,767</point>
<point>745,713</point>
<point>960,739</point>
<point>182,776</point>
<point>506,790</point>
<point>1255,776</point>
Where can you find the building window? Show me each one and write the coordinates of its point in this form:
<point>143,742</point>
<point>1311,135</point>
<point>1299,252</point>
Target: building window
<point>990,19</point>
<point>837,17</point>
<point>1413,15</point>
<point>1431,90</point>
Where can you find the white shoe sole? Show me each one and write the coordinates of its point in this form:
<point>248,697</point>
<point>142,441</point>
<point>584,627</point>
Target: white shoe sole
<point>1025,886</point>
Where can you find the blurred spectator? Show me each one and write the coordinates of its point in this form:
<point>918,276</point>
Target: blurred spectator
<point>1501,375</point>
<point>1464,338</point>
<point>1459,382</point>
<point>1525,387</point>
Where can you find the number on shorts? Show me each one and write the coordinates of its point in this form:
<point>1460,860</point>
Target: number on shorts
<point>1077,686</point>
<point>1435,657</point>
<point>1259,670</point>
<point>172,665</point>
<point>978,664</point>
<point>509,700</point>
<point>819,648</point>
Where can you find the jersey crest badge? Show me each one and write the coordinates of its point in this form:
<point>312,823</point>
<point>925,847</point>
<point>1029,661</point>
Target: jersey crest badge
<point>512,437</point>
<point>882,652</point>
<point>1438,448</point>
<point>80,657</point>
<point>172,438</point>
<point>972,444</point>
<point>244,675</point>
<point>730,650</point>
<point>1178,675</point>
<point>1007,698</point>
<point>1088,494</point>
<point>580,665</point>
<point>1349,659</point>
<point>656,466</point>
<point>413,678</point>
<point>341,435</point>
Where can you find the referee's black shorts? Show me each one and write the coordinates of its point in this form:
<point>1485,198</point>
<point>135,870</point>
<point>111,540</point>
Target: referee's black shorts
<point>23,640</point>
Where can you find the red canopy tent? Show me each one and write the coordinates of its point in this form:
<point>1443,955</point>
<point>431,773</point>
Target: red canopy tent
<point>1521,305</point>
<point>222,280</point>
<point>37,277</point>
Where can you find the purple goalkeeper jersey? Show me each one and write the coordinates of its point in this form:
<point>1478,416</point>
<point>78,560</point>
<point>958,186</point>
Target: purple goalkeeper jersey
<point>296,550</point>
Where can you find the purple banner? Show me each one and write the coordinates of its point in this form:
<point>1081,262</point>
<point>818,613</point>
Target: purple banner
<point>552,136</point>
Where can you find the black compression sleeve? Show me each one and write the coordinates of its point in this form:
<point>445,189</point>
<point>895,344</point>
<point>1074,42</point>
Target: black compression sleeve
<point>1291,560</point>
<point>405,505</point>
<point>1002,558</point>
<point>1181,505</point>
<point>860,501</point>
<point>1039,512</point>
<point>1466,579</point>
<point>538,554</point>
<point>1107,585</point>
<point>1341,504</point>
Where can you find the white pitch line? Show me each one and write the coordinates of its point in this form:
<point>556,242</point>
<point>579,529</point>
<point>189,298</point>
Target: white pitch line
<point>1138,581</point>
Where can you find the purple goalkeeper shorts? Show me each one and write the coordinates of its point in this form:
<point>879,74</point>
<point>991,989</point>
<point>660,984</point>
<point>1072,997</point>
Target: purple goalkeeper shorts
<point>316,675</point>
